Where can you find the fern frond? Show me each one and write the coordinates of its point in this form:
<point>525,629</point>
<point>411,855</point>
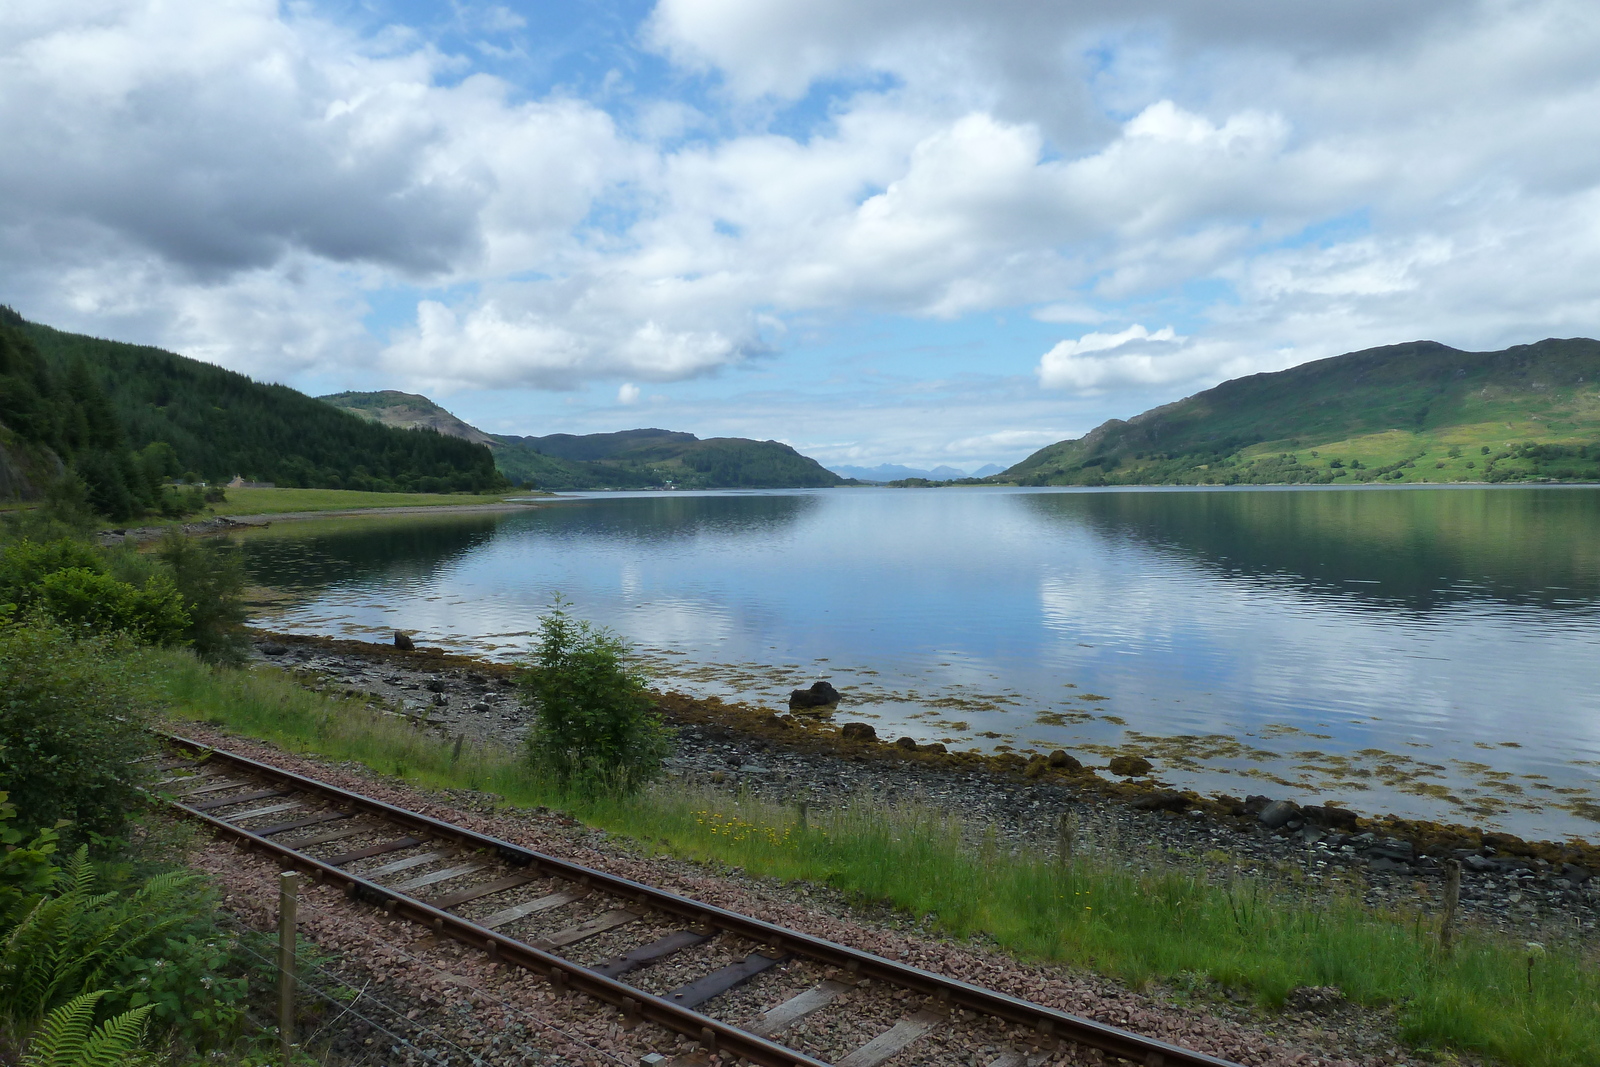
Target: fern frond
<point>64,1034</point>
<point>114,1039</point>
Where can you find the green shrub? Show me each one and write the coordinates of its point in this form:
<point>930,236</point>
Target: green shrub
<point>210,578</point>
<point>25,562</point>
<point>69,726</point>
<point>70,581</point>
<point>593,726</point>
<point>95,603</point>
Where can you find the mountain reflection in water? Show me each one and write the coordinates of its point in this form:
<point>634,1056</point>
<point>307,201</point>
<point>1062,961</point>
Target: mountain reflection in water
<point>1410,548</point>
<point>1431,652</point>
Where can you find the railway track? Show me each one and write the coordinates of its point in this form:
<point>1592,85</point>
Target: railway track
<point>605,936</point>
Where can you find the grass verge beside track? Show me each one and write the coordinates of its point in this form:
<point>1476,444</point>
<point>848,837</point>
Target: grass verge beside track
<point>1492,995</point>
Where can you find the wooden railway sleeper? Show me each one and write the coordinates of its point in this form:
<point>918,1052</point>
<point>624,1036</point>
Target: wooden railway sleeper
<point>857,965</point>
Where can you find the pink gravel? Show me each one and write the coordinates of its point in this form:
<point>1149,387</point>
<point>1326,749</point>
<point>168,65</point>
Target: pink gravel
<point>462,993</point>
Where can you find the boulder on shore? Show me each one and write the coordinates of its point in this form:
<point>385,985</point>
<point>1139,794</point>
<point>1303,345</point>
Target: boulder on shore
<point>1063,762</point>
<point>1278,814</point>
<point>820,695</point>
<point>402,642</point>
<point>858,731</point>
<point>1130,766</point>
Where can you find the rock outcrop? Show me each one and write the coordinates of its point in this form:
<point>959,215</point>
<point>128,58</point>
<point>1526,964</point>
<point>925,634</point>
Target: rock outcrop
<point>820,695</point>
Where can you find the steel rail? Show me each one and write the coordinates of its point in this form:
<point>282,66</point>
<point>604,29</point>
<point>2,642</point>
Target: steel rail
<point>949,993</point>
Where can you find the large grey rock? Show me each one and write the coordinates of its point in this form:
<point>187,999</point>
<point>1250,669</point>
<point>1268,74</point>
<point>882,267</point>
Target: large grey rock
<point>1278,814</point>
<point>403,642</point>
<point>820,695</point>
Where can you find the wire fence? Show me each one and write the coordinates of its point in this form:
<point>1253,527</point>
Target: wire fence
<point>352,1024</point>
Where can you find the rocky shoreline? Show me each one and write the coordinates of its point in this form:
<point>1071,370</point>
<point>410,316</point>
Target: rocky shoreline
<point>1540,890</point>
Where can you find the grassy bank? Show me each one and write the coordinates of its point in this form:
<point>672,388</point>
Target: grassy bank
<point>278,501</point>
<point>1170,925</point>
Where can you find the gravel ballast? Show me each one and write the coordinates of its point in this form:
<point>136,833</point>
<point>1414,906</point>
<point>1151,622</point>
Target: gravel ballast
<point>505,1016</point>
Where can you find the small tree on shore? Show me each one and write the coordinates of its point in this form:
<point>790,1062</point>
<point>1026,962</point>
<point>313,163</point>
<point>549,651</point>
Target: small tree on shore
<point>593,727</point>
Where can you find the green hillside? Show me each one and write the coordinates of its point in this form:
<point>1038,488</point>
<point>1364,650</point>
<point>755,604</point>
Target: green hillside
<point>627,459</point>
<point>219,423</point>
<point>1417,412</point>
<point>59,433</point>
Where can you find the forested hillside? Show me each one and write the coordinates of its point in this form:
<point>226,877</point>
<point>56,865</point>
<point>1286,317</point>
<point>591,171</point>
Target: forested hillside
<point>650,457</point>
<point>220,423</point>
<point>60,433</point>
<point>1418,412</point>
<point>628,459</point>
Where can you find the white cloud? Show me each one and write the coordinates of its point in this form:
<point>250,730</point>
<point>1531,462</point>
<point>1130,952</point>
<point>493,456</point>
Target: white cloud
<point>248,181</point>
<point>628,393</point>
<point>1096,360</point>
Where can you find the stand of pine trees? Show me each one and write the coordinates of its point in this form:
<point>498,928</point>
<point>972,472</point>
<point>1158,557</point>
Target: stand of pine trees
<point>123,420</point>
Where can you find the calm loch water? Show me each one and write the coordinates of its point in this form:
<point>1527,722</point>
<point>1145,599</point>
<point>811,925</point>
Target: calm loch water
<point>1430,652</point>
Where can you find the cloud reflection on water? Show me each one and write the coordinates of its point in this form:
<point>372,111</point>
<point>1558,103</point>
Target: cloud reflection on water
<point>1386,619</point>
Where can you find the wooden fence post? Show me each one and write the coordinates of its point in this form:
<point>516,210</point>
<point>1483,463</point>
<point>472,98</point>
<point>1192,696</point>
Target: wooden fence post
<point>288,905</point>
<point>1452,897</point>
<point>1066,837</point>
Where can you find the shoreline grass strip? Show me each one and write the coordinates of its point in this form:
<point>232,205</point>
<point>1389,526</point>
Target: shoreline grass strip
<point>1171,925</point>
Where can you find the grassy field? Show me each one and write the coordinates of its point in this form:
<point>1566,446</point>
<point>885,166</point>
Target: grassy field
<point>1171,925</point>
<point>275,501</point>
<point>1458,454</point>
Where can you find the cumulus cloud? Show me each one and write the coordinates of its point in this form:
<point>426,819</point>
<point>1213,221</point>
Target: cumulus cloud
<point>1098,359</point>
<point>253,182</point>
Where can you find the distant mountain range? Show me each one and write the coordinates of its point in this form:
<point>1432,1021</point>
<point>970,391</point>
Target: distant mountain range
<point>891,472</point>
<point>629,459</point>
<point>1416,412</point>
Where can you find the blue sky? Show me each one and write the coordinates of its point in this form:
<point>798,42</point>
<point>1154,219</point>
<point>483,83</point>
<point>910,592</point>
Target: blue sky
<point>930,233</point>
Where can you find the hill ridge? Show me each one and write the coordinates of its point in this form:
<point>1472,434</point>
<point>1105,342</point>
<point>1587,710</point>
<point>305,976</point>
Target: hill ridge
<point>153,415</point>
<point>640,458</point>
<point>1403,412</point>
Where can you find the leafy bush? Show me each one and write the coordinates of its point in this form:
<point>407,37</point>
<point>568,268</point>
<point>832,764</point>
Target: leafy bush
<point>68,581</point>
<point>69,726</point>
<point>96,603</point>
<point>593,726</point>
<point>187,593</point>
<point>25,562</point>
